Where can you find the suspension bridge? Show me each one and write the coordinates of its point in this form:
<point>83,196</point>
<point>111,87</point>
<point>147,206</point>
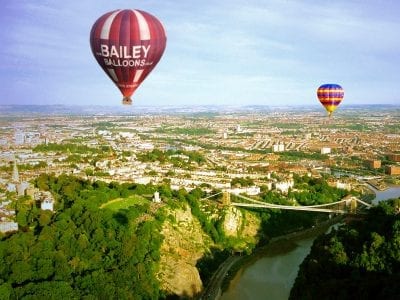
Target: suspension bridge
<point>348,205</point>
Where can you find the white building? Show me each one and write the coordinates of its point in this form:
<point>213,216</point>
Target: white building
<point>156,197</point>
<point>47,201</point>
<point>19,138</point>
<point>8,226</point>
<point>325,150</point>
<point>278,148</point>
<point>284,186</point>
<point>251,191</point>
<point>47,204</point>
<point>11,187</point>
<point>343,185</point>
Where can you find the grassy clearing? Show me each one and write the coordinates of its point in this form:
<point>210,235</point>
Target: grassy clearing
<point>121,203</point>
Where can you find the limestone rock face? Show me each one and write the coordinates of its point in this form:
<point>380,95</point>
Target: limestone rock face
<point>184,243</point>
<point>241,224</point>
<point>232,222</point>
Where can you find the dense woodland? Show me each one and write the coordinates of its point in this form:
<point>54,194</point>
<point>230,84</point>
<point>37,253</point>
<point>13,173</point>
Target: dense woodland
<point>360,260</point>
<point>86,250</point>
<point>82,251</point>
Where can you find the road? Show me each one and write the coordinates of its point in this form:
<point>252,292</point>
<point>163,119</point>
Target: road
<point>213,290</point>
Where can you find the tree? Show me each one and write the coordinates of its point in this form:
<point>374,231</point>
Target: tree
<point>45,217</point>
<point>5,291</point>
<point>22,216</point>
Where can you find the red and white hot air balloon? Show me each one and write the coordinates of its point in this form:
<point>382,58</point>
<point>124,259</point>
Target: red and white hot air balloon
<point>127,45</point>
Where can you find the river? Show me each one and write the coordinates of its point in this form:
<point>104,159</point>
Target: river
<point>272,275</point>
<point>391,192</point>
<point>269,277</point>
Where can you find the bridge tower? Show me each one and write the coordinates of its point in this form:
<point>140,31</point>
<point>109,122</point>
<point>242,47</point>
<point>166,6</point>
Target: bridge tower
<point>353,205</point>
<point>226,198</point>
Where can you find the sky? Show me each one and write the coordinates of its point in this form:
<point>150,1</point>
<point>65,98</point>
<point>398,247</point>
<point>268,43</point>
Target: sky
<point>225,52</point>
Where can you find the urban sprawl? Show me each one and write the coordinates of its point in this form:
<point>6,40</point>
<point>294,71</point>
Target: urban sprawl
<point>217,151</point>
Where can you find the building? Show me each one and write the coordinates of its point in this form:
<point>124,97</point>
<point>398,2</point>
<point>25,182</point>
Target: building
<point>326,150</point>
<point>373,163</point>
<point>7,226</point>
<point>284,185</point>
<point>393,170</point>
<point>156,197</point>
<point>19,138</point>
<point>394,157</point>
<point>251,191</point>
<point>343,185</point>
<point>47,204</point>
<point>11,187</point>
<point>278,148</point>
<point>46,201</point>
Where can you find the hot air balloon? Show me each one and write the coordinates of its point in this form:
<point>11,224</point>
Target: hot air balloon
<point>330,95</point>
<point>127,45</point>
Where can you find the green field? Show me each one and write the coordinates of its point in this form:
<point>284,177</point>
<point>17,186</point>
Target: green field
<point>121,203</point>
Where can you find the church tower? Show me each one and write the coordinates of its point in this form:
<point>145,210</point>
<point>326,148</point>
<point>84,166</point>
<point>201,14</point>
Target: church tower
<point>15,174</point>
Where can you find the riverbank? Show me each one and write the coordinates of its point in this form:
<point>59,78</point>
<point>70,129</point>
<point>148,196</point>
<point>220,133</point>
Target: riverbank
<point>392,192</point>
<point>285,243</point>
<point>378,185</point>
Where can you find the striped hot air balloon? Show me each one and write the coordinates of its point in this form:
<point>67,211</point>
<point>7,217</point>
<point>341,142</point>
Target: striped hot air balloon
<point>127,45</point>
<point>330,95</point>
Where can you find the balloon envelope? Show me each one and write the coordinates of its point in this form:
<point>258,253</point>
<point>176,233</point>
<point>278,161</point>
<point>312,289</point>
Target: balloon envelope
<point>330,95</point>
<point>127,45</point>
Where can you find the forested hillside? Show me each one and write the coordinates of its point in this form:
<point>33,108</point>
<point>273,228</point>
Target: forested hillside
<point>104,241</point>
<point>82,250</point>
<point>357,261</point>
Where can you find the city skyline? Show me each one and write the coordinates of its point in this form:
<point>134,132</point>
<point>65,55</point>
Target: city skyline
<point>223,53</point>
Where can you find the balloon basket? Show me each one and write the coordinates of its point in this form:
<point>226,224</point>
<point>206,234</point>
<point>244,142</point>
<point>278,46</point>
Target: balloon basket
<point>127,101</point>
